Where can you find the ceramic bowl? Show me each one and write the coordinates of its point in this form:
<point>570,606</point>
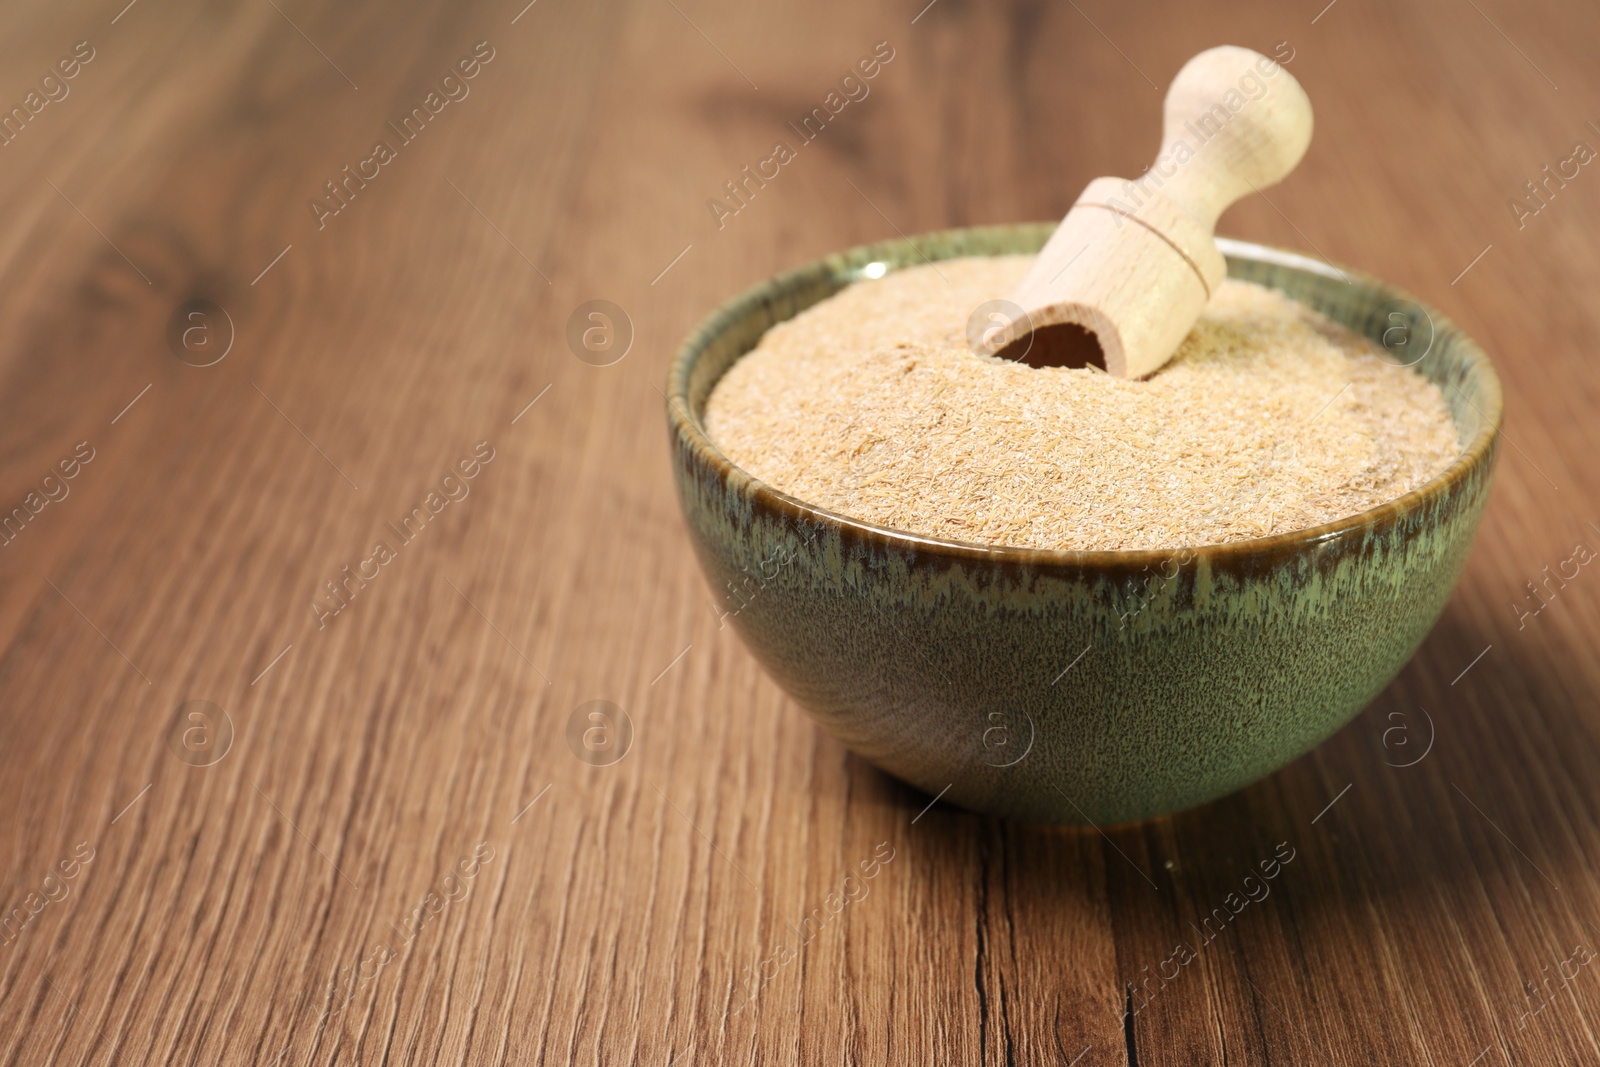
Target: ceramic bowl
<point>1081,687</point>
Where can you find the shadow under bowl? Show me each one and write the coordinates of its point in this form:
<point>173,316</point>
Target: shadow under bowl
<point>1081,687</point>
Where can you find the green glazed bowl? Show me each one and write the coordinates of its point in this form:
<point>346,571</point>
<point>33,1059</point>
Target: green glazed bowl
<point>1081,687</point>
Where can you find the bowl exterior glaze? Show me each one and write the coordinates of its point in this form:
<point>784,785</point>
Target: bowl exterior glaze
<point>1081,686</point>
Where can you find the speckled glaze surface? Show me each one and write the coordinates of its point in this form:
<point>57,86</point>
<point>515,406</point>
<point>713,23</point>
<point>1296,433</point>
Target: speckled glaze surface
<point>1081,686</point>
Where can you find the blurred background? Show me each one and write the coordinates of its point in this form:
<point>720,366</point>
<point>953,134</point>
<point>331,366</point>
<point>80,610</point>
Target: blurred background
<point>284,281</point>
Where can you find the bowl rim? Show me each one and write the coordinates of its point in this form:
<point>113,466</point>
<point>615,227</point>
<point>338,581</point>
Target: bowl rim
<point>687,427</point>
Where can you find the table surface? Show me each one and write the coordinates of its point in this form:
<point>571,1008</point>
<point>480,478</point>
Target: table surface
<point>374,842</point>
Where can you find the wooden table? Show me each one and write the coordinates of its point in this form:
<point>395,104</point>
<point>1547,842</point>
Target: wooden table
<point>373,841</point>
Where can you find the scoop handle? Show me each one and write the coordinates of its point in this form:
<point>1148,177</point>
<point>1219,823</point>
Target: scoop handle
<point>1234,123</point>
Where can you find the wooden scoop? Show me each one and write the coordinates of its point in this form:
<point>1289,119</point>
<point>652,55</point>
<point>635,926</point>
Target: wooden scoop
<point>1134,262</point>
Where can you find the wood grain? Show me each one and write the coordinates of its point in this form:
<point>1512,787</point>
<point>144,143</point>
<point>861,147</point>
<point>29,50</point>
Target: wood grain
<point>237,911</point>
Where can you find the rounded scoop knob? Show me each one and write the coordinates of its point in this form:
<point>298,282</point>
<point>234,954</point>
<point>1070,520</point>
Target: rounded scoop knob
<point>1235,122</point>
